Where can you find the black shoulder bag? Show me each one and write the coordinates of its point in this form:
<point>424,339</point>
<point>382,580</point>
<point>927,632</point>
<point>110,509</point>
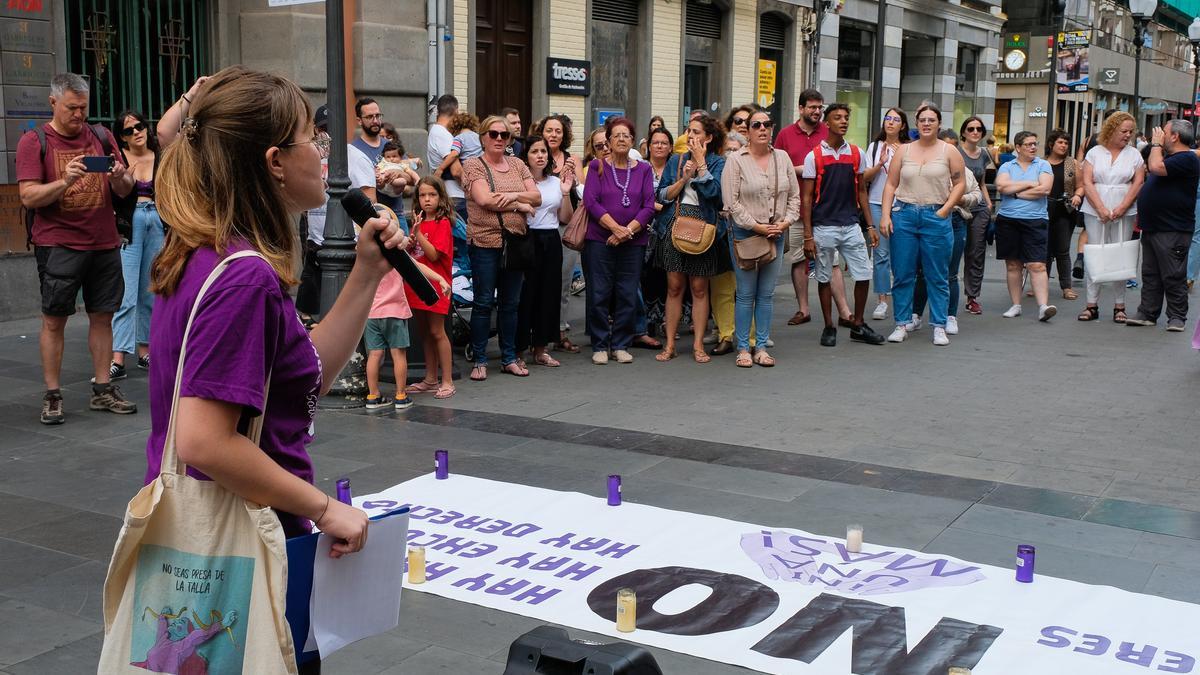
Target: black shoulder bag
<point>517,252</point>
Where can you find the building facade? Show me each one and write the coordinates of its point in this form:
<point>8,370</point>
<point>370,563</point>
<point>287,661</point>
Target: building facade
<point>1030,58</point>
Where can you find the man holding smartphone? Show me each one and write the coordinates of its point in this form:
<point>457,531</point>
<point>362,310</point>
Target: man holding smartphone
<point>74,232</point>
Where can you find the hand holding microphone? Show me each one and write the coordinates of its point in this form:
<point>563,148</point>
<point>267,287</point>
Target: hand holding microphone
<point>389,237</point>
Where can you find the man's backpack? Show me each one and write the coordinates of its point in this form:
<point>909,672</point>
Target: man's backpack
<point>819,160</point>
<point>125,229</point>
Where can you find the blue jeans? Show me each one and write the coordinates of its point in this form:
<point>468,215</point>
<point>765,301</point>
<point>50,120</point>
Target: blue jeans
<point>486,279</point>
<point>1193,270</point>
<point>956,256</point>
<point>613,276</point>
<point>881,257</point>
<point>131,323</point>
<point>754,300</point>
<point>919,234</point>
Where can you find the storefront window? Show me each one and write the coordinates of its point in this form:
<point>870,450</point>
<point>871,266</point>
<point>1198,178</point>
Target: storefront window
<point>856,46</point>
<point>860,115</point>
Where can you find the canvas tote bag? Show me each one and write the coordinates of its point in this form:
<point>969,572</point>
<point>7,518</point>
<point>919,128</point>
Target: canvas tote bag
<point>198,576</point>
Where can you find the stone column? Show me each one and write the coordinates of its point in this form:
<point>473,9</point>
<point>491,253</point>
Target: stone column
<point>666,84</point>
<point>945,69</point>
<point>826,75</point>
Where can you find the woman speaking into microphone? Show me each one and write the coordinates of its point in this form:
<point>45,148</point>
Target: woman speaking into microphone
<point>246,163</point>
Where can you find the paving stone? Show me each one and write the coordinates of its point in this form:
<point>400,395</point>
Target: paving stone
<point>1145,517</point>
<point>76,590</point>
<point>22,563</point>
<point>882,502</point>
<point>81,656</point>
<point>1088,567</point>
<point>748,482</point>
<point>85,534</point>
<point>1039,500</point>
<point>373,655</point>
<point>478,631</point>
<point>587,457</point>
<point>1082,482</point>
<point>27,631</point>
<point>435,659</point>
<point>17,512</point>
<point>1176,583</point>
<point>1036,528</point>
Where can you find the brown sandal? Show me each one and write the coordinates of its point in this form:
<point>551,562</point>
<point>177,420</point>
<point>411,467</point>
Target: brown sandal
<point>565,343</point>
<point>665,355</point>
<point>545,359</point>
<point>1070,294</point>
<point>1089,313</point>
<point>701,356</point>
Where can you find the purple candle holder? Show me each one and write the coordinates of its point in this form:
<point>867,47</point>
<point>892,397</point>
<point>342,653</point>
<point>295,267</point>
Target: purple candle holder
<point>614,490</point>
<point>441,464</point>
<point>1025,563</point>
<point>343,490</point>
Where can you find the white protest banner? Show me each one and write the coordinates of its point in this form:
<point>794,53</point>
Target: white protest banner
<point>776,600</point>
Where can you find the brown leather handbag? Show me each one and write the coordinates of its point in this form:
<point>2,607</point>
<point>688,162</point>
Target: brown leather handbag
<point>756,249</point>
<point>689,234</point>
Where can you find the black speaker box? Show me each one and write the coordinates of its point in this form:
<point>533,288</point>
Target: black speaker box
<point>547,650</point>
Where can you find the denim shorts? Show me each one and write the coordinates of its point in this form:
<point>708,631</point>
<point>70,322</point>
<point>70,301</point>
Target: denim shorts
<point>847,240</point>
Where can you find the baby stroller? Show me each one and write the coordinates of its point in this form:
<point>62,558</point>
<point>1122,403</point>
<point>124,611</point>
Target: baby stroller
<point>462,295</point>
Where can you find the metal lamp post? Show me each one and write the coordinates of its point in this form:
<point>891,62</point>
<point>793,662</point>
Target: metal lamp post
<point>337,253</point>
<point>1194,38</point>
<point>1142,11</point>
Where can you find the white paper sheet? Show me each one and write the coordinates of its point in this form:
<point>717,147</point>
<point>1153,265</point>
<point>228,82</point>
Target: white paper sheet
<point>358,595</point>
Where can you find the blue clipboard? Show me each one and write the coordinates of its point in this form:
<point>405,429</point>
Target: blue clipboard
<point>301,551</point>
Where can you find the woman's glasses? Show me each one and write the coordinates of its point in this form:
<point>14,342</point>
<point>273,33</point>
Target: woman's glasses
<point>502,135</point>
<point>738,121</point>
<point>600,146</point>
<point>768,124</point>
<point>975,130</point>
<point>129,131</point>
<point>892,118</point>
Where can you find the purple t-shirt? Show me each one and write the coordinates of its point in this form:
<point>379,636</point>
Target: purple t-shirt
<point>602,194</point>
<point>246,327</point>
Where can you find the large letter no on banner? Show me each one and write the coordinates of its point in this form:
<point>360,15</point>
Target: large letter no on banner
<point>736,602</point>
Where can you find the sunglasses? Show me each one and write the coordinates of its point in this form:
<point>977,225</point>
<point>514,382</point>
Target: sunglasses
<point>502,135</point>
<point>129,131</point>
<point>739,120</point>
<point>600,146</point>
<point>762,125</point>
<point>974,129</point>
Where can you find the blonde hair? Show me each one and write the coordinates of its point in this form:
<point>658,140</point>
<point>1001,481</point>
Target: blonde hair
<point>493,119</point>
<point>213,184</point>
<point>1111,125</point>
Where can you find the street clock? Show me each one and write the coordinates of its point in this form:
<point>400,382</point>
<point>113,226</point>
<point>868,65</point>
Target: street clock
<point>1014,60</point>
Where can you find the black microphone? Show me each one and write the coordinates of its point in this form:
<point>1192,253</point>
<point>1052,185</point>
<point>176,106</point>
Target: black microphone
<point>358,207</point>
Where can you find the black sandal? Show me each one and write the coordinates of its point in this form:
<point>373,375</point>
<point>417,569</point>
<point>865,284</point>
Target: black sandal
<point>1119,315</point>
<point>1089,314</point>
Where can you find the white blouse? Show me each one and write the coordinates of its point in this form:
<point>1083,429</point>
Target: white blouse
<point>1112,178</point>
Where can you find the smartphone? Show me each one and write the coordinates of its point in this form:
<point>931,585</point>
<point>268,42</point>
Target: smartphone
<point>97,164</point>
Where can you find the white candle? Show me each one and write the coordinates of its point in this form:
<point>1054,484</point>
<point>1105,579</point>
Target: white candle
<point>854,538</point>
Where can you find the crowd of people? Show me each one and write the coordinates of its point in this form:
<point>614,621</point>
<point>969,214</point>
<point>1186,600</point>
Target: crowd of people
<point>671,234</point>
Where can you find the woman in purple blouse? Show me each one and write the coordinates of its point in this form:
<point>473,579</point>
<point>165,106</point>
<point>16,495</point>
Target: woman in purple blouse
<point>619,197</point>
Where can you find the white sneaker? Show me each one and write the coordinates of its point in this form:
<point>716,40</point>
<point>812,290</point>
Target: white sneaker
<point>880,312</point>
<point>623,356</point>
<point>1045,312</point>
<point>599,358</point>
<point>939,336</point>
<point>951,325</point>
<point>1012,312</point>
<point>898,335</point>
<point>914,324</point>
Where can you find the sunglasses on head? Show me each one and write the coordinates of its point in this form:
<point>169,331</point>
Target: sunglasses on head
<point>739,120</point>
<point>762,124</point>
<point>502,135</point>
<point>129,131</point>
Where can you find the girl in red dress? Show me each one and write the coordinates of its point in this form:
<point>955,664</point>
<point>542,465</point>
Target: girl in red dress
<point>432,244</point>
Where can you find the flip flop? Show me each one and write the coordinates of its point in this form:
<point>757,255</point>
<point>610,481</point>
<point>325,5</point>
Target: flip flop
<point>515,368</point>
<point>444,392</point>
<point>421,387</point>
<point>479,373</point>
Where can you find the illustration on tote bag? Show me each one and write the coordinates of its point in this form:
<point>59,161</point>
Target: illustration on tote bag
<point>181,642</point>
